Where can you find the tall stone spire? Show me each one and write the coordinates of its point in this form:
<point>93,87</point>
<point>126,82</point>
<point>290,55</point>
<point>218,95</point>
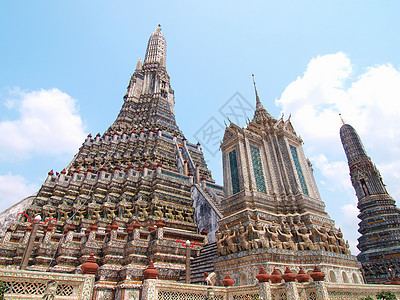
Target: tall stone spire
<point>149,101</point>
<point>156,48</point>
<point>138,174</point>
<point>380,218</point>
<point>270,188</point>
<point>260,113</point>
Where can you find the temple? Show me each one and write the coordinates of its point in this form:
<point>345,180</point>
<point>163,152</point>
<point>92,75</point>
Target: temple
<point>273,213</point>
<point>379,243</point>
<point>140,201</point>
<point>133,194</point>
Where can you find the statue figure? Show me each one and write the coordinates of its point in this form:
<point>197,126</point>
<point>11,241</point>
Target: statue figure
<point>79,215</point>
<point>305,242</point>
<point>323,235</point>
<point>220,243</point>
<point>50,214</point>
<point>169,213</point>
<point>341,243</point>
<point>62,215</point>
<point>368,270</point>
<point>96,214</point>
<point>229,239</point>
<point>189,217</point>
<point>157,210</point>
<point>111,213</point>
<point>243,238</point>
<point>143,211</point>
<point>286,235</point>
<point>274,237</point>
<point>333,247</point>
<point>347,251</point>
<point>179,214</point>
<point>128,212</point>
<point>259,233</point>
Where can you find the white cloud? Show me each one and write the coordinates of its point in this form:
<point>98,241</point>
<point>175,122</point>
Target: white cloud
<point>333,172</point>
<point>349,224</point>
<point>48,123</point>
<point>370,102</point>
<point>14,188</point>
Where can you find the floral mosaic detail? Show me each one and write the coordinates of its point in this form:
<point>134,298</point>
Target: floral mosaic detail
<point>234,172</point>
<point>299,171</point>
<point>258,170</point>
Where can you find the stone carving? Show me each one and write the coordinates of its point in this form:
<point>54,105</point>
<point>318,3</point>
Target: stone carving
<point>110,213</point>
<point>157,210</point>
<point>220,243</point>
<point>243,238</point>
<point>128,212</point>
<point>260,239</point>
<point>230,241</point>
<point>323,236</point>
<point>96,214</point>
<point>287,238</point>
<point>274,237</point>
<point>305,242</point>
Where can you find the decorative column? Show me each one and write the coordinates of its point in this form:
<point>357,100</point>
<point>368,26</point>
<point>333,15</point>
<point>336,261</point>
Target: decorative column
<point>31,242</point>
<point>185,168</point>
<point>136,233</point>
<point>290,285</point>
<point>160,230</point>
<point>263,284</point>
<point>321,292</point>
<point>149,284</point>
<point>187,261</point>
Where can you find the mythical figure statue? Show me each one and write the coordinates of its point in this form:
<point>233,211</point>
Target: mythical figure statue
<point>287,237</point>
<point>179,214</point>
<point>274,237</point>
<point>243,238</point>
<point>333,243</point>
<point>110,213</point>
<point>221,249</point>
<point>230,241</point>
<point>259,235</point>
<point>323,235</point>
<point>96,214</point>
<point>128,212</point>
<point>169,214</point>
<point>305,242</point>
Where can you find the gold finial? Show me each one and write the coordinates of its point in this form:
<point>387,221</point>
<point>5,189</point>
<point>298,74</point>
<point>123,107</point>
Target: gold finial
<point>343,122</point>
<point>159,28</point>
<point>258,102</point>
<point>254,81</point>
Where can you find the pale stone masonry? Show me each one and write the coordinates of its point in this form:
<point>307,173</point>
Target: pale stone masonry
<point>273,213</point>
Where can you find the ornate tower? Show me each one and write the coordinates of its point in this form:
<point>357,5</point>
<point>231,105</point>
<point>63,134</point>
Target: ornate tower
<point>273,213</point>
<point>129,195</point>
<point>380,218</point>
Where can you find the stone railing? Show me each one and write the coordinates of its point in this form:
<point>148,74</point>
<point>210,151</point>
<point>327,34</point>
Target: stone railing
<point>338,291</point>
<point>36,285</point>
<point>319,290</point>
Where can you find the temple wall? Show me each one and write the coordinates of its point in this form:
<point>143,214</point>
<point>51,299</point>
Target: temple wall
<point>204,215</point>
<point>38,285</point>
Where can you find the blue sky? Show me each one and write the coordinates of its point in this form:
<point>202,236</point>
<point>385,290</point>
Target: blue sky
<point>65,67</point>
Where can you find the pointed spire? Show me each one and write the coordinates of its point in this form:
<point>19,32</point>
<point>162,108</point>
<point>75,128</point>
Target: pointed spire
<point>258,102</point>
<point>261,113</point>
<point>341,118</point>
<point>139,64</point>
<point>156,48</point>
